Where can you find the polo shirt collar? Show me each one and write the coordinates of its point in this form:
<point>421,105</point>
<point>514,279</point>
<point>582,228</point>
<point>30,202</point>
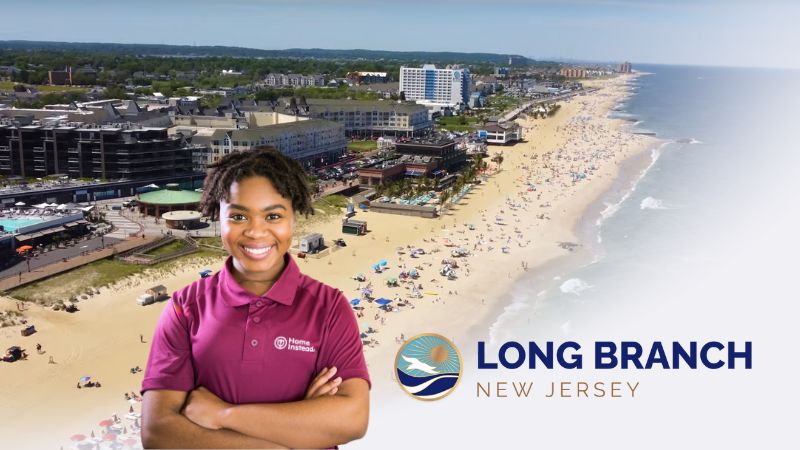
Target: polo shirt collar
<point>283,291</point>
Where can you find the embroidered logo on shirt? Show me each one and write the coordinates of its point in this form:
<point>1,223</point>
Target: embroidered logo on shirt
<point>297,345</point>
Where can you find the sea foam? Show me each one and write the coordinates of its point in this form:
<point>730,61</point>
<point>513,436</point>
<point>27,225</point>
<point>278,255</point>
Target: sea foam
<point>574,286</point>
<point>652,203</point>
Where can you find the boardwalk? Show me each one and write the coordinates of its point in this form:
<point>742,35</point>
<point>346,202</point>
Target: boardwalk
<point>59,267</point>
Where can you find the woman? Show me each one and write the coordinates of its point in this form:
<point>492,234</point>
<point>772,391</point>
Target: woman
<point>257,355</point>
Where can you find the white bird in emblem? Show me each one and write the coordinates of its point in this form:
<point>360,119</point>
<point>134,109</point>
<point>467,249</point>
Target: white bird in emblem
<point>414,363</point>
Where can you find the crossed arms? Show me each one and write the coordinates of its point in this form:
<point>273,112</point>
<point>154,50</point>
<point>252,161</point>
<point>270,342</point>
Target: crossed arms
<point>333,412</point>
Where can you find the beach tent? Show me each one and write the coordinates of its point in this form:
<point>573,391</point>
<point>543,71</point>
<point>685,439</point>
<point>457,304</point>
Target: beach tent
<point>62,206</point>
<point>383,263</point>
<point>355,301</point>
<point>383,301</point>
<point>19,204</point>
<point>85,379</point>
<point>52,205</point>
<point>41,205</point>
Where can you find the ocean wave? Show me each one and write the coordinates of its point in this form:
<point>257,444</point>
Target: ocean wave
<point>574,286</point>
<point>612,208</point>
<point>652,203</point>
<point>411,381</point>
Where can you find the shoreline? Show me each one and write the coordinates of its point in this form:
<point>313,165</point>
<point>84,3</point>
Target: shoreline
<point>104,342</point>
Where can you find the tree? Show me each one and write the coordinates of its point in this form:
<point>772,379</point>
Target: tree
<point>270,95</point>
<point>115,92</point>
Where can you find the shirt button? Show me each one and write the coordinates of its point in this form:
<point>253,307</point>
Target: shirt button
<point>256,319</point>
<point>259,303</point>
<point>254,342</point>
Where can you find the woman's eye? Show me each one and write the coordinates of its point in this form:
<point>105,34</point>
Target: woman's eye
<point>238,217</point>
<point>273,216</point>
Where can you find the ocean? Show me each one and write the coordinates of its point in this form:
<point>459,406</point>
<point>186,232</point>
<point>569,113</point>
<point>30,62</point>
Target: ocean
<point>697,242</point>
<point>720,186</point>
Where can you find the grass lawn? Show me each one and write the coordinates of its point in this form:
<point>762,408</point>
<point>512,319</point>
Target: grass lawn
<point>454,123</point>
<point>172,247</point>
<point>63,287</point>
<point>362,146</point>
<point>9,86</point>
<point>502,103</point>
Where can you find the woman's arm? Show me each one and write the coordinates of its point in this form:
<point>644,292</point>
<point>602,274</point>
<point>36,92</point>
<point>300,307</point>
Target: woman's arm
<point>318,422</point>
<point>163,426</point>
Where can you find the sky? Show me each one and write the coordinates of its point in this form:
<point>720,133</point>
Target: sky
<point>712,32</point>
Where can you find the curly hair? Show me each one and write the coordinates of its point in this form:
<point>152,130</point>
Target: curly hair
<point>285,174</point>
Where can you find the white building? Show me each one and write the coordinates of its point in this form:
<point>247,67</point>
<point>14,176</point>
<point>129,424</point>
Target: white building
<point>444,86</point>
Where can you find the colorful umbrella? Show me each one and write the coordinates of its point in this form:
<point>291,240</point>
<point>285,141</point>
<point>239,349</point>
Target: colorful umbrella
<point>130,442</point>
<point>110,437</point>
<point>78,437</point>
<point>106,423</point>
<point>383,262</point>
<point>85,379</point>
<point>355,301</point>
<point>383,301</point>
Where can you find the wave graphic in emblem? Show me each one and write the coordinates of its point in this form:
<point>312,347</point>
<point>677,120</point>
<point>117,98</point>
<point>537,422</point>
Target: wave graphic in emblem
<point>429,386</point>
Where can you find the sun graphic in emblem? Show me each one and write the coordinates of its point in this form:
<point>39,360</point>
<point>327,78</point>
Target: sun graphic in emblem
<point>439,354</point>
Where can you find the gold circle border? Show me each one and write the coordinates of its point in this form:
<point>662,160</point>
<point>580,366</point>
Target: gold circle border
<point>460,366</point>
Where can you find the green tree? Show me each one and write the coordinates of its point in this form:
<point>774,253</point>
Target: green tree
<point>115,92</point>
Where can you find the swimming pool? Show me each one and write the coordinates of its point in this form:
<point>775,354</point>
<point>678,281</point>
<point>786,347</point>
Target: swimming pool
<point>12,225</point>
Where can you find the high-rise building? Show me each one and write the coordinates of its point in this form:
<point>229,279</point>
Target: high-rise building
<point>625,67</point>
<point>448,86</point>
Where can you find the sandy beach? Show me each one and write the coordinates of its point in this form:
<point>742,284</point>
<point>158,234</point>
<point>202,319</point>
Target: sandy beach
<point>521,218</point>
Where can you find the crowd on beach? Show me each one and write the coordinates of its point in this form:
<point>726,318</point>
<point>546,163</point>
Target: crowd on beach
<point>441,257</point>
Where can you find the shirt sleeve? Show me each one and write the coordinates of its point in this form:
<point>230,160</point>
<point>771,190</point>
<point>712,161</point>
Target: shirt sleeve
<point>342,346</point>
<point>170,363</point>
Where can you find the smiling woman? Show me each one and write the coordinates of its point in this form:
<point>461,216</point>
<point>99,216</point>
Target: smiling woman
<point>257,355</point>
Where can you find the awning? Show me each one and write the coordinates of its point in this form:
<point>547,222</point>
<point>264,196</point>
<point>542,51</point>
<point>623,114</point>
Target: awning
<point>24,237</point>
<point>54,230</point>
<point>414,172</point>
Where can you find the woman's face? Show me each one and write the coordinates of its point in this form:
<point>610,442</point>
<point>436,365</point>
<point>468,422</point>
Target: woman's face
<point>257,225</point>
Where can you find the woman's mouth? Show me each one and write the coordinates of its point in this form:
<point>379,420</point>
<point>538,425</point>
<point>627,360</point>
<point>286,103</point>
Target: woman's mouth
<point>256,252</point>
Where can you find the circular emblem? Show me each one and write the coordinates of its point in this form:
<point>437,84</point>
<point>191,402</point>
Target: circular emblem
<point>280,342</point>
<point>428,367</point>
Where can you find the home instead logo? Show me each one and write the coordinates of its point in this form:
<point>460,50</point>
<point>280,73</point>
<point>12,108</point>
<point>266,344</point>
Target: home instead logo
<point>428,367</point>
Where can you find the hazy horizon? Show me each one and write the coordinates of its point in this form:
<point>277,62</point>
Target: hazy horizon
<point>715,33</point>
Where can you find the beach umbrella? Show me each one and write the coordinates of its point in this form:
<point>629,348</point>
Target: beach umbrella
<point>77,437</point>
<point>62,206</point>
<point>383,262</point>
<point>110,437</point>
<point>355,301</point>
<point>23,248</point>
<point>106,423</point>
<point>383,301</point>
<point>19,204</point>
<point>130,442</point>
<point>85,379</point>
<point>131,409</point>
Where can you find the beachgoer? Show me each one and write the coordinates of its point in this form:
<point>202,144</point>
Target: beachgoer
<point>295,329</point>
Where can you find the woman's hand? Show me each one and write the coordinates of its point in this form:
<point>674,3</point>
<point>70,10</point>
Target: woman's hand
<point>204,408</point>
<point>324,384</point>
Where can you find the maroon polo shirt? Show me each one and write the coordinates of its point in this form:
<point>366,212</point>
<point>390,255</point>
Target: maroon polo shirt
<point>254,349</point>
